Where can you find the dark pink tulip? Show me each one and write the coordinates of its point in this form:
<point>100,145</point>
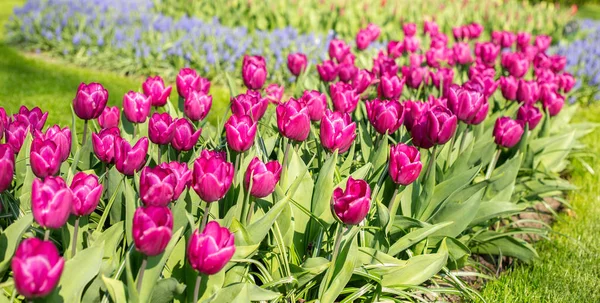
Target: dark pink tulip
<point>343,96</point>
<point>439,40</point>
<point>184,137</point>
<point>413,110</point>
<point>37,267</point>
<point>528,91</point>
<point>90,100</point>
<point>544,75</point>
<point>161,128</point>
<point>16,132</point>
<point>385,116</point>
<point>264,177</point>
<point>509,86</point>
<point>390,87</point>
<point>274,93</point>
<point>197,105</point>
<point>411,44</point>
<point>128,159</point>
<point>475,30</point>
<point>104,144</point>
<point>61,137</point>
<point>86,193</point>
<point>433,101</point>
<point>338,50</point>
<point>529,51</point>
<point>188,79</point>
<point>458,33</point>
<point>409,29</point>
<point>293,120</point>
<point>430,27</point>
<point>352,205</point>
<point>374,30</point>
<point>462,53</point>
<point>565,81</point>
<point>542,61</point>
<point>136,107</point>
<point>413,76</point>
<point>36,118</point>
<point>328,70</point>
<point>296,63</point>
<point>157,185</point>
<point>183,175</point>
<point>347,72</point>
<point>212,175</point>
<point>504,38</point>
<point>152,229</point>
<point>240,132</point>
<point>363,39</point>
<point>415,60</point>
<point>154,87</point>
<point>529,114</point>
<point>542,42</point>
<point>481,70</point>
<point>384,65</point>
<point>362,81</point>
<point>395,49</point>
<point>483,84</point>
<point>209,251</point>
<point>45,157</point>
<point>51,202</point>
<point>523,40</point>
<point>436,126</point>
<point>465,103</point>
<point>553,102</point>
<point>251,104</point>
<point>254,72</point>
<point>110,117</point>
<point>515,63</point>
<point>315,102</point>
<point>507,132</point>
<point>558,63</point>
<point>7,166</point>
<point>443,77</point>
<point>487,53</point>
<point>337,131</point>
<point>546,89</point>
<point>405,164</point>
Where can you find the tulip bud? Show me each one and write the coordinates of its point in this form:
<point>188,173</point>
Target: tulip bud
<point>528,91</point>
<point>254,72</point>
<point>507,132</point>
<point>338,49</point>
<point>515,63</point>
<point>197,105</point>
<point>390,87</point>
<point>51,202</point>
<point>542,42</point>
<point>487,53</point>
<point>413,76</point>
<point>553,102</point>
<point>189,80</point>
<point>565,81</point>
<point>343,96</point>
<point>530,115</point>
<point>383,65</point>
<point>352,205</point>
<point>184,137</point>
<point>328,71</point>
<point>90,101</point>
<point>405,164</point>
<point>86,193</point>
<point>337,131</point>
<point>523,39</point>
<point>7,166</point>
<point>297,63</point>
<point>157,185</point>
<point>264,177</point>
<point>110,117</point>
<point>462,53</point>
<point>413,110</point>
<point>37,267</point>
<point>293,120</point>
<point>411,44</point>
<point>44,157</point>
<point>385,116</point>
<point>465,103</point>
<point>436,126</point>
<point>152,229</point>
<point>558,63</point>
<point>209,251</point>
<point>374,31</point>
<point>104,144</point>
<point>250,104</point>
<point>475,30</point>
<point>136,107</point>
<point>509,86</point>
<point>154,87</point>
<point>128,159</point>
<point>410,29</point>
<point>240,132</point>
<point>347,72</point>
<point>182,174</point>
<point>274,93</point>
<point>161,128</point>
<point>395,49</point>
<point>439,40</point>
<point>212,176</point>
<point>363,39</point>
<point>315,102</point>
<point>362,81</point>
<point>16,132</point>
<point>458,33</point>
<point>61,137</point>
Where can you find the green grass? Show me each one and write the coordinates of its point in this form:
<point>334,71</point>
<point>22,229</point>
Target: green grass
<point>589,11</point>
<point>568,269</point>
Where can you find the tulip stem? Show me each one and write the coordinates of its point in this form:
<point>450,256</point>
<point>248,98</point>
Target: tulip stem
<point>158,153</point>
<point>141,274</point>
<point>448,157</point>
<point>431,163</point>
<point>336,250</point>
<point>205,216</point>
<point>287,152</point>
<point>492,164</point>
<point>47,235</point>
<point>85,128</point>
<point>74,242</point>
<point>249,212</point>
<point>197,287</point>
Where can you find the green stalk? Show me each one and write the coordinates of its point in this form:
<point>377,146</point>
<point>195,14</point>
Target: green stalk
<point>450,148</point>
<point>197,287</point>
<point>85,128</point>
<point>336,250</point>
<point>74,242</point>
<point>205,216</point>
<point>431,163</point>
<point>141,274</point>
<point>492,165</point>
<point>47,235</point>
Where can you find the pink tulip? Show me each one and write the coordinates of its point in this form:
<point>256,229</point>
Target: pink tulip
<point>410,29</point>
<point>315,102</point>
<point>390,87</point>
<point>509,86</point>
<point>90,100</point>
<point>436,126</point>
<point>465,103</point>
<point>530,115</point>
<point>565,81</point>
<point>197,105</point>
<point>347,72</point>
<point>212,176</point>
<point>515,63</point>
<point>363,39</point>
<point>209,251</point>
<point>189,80</point>
<point>254,72</point>
<point>45,157</point>
<point>442,79</point>
<point>184,137</point>
<point>157,185</point>
<point>161,128</point>
<point>430,27</point>
<point>128,159</point>
<point>7,166</point>
<point>251,104</point>
<point>154,87</point>
<point>362,81</point>
<point>528,91</point>
<point>507,132</point>
<point>61,137</point>
<point>411,44</point>
<point>374,31</point>
<point>51,202</point>
<point>343,96</point>
<point>338,50</point>
<point>110,117</point>
<point>274,93</point>
<point>105,143</point>
<point>542,42</point>
<point>240,132</point>
<point>405,164</point>
<point>395,49</point>
<point>462,53</point>
<point>385,116</point>
<point>487,53</point>
<point>297,63</point>
<point>37,267</point>
<point>553,103</point>
<point>264,177</point>
<point>3,122</point>
<point>413,110</point>
<point>152,229</point>
<point>182,174</point>
<point>293,120</point>
<point>352,205</point>
<point>523,40</point>
<point>328,70</point>
<point>86,193</point>
<point>337,131</point>
<point>16,132</point>
<point>383,65</point>
<point>136,107</point>
<point>414,77</point>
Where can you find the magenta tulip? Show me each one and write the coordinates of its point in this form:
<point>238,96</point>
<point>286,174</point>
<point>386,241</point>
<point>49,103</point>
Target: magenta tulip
<point>61,137</point>
<point>328,70</point>
<point>110,117</point>
<point>383,65</point>
<point>197,105</point>
<point>409,29</point>
<point>251,104</point>
<point>411,44</point>
<point>430,27</point>
<point>337,131</point>
<point>297,63</point>
<point>465,103</point>
<point>390,87</point>
<point>37,267</point>
<point>90,101</point>
<point>86,193</point>
<point>154,87</point>
<point>530,115</point>
<point>405,164</point>
<point>475,30</point>
<point>7,166</point>
<point>523,40</point>
<point>509,86</point>
<point>362,81</point>
<point>557,63</point>
<point>374,31</point>
<point>189,80</point>
<point>436,126</point>
<point>385,116</point>
<point>254,72</point>
<point>347,72</point>
<point>152,229</point>
<point>343,96</point>
<point>3,122</point>
<point>528,91</point>
<point>104,144</point>
<point>128,159</point>
<point>161,128</point>
<point>51,202</point>
<point>553,103</point>
<point>16,132</point>
<point>264,177</point>
<point>184,137</point>
<point>565,81</point>
<point>157,185</point>
<point>487,53</point>
<point>363,39</point>
<point>542,42</point>
<point>315,102</point>
<point>240,132</point>
<point>209,251</point>
<point>293,120</point>
<point>395,49</point>
<point>416,60</point>
<point>136,107</point>
<point>338,50</point>
<point>412,76</point>
<point>274,93</point>
<point>212,176</point>
<point>413,110</point>
<point>45,157</point>
<point>183,175</point>
<point>507,132</point>
<point>442,79</point>
<point>515,63</point>
<point>352,205</point>
<point>462,53</point>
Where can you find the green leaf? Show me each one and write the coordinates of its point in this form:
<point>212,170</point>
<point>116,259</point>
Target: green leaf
<point>260,228</point>
<point>379,158</point>
<point>242,292</point>
<point>10,239</point>
<point>494,243</point>
<point>76,274</point>
<point>130,207</point>
<point>311,268</point>
<point>166,290</point>
<point>324,189</point>
<point>414,237</point>
<point>460,211</point>
<point>116,289</point>
<point>489,210</point>
<point>341,271</point>
<point>417,269</point>
<point>110,239</point>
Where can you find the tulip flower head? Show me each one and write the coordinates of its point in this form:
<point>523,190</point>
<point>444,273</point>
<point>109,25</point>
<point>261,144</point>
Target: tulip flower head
<point>182,174</point>
<point>161,128</point>
<point>157,185</point>
<point>385,116</point>
<point>315,103</point>
<point>209,251</point>
<point>61,137</point>
<point>86,193</point>
<point>37,267</point>
<point>343,96</point>
<point>263,176</point>
<point>136,107</point>
<point>130,159</point>
<point>7,166</point>
<point>184,136</point>
<point>296,63</point>
<point>90,101</point>
<point>212,176</point>
<point>338,131</point>
<point>293,120</point>
<point>240,132</point>
<point>254,72</point>
<point>105,144</point>
<point>352,205</point>
<point>529,114</point>
<point>508,132</point>
<point>436,126</point>
<point>274,93</point>
<point>110,117</point>
<point>328,70</point>
<point>51,202</point>
<point>45,157</point>
<point>197,105</point>
<point>405,164</point>
<point>154,87</point>
<point>250,103</point>
<point>189,80</point>
<point>152,229</point>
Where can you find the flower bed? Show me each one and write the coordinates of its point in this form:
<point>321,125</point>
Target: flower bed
<point>361,184</point>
